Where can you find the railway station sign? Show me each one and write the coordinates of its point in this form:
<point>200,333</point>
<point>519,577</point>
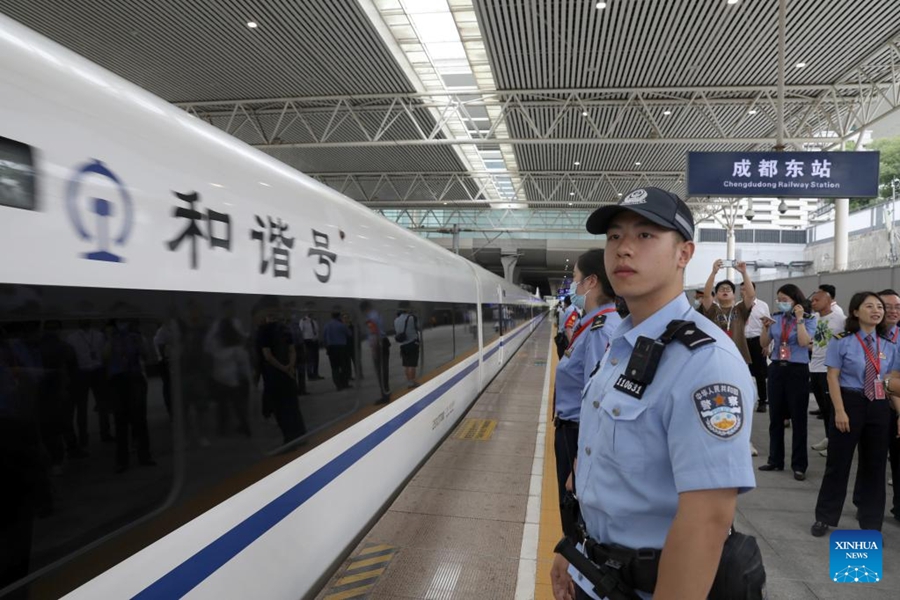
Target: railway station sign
<point>790,174</point>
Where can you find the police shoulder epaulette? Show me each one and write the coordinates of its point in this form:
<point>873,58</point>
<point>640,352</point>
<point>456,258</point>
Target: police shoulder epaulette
<point>598,322</point>
<point>807,315</point>
<point>842,334</point>
<point>687,333</point>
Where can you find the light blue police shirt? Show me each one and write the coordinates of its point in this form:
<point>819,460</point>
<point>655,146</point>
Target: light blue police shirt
<point>847,354</point>
<point>690,431</point>
<point>574,370</point>
<point>799,354</point>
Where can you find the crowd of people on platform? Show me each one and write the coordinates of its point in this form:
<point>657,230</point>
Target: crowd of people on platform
<point>848,361</point>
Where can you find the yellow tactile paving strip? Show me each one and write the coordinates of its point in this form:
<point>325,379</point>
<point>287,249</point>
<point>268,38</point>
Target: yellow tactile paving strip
<point>551,528</point>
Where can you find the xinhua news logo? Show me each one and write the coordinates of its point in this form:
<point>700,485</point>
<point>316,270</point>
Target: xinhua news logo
<point>856,556</point>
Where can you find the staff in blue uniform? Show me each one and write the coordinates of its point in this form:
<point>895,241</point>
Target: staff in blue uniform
<point>859,361</point>
<point>792,330</point>
<point>591,292</point>
<point>665,425</point>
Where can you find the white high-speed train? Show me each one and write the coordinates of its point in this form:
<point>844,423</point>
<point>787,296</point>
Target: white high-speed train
<point>134,457</point>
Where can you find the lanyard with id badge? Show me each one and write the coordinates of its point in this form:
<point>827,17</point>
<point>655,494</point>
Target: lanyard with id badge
<point>876,364</point>
<point>784,350</point>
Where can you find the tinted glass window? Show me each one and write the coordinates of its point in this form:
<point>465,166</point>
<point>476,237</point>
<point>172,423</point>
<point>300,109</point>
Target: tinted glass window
<point>490,321</point>
<point>116,404</point>
<point>16,175</point>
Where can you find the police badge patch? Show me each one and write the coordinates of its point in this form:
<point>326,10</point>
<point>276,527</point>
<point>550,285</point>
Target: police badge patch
<point>720,407</point>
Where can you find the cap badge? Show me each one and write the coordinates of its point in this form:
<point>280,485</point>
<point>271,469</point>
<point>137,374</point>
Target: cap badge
<point>635,197</point>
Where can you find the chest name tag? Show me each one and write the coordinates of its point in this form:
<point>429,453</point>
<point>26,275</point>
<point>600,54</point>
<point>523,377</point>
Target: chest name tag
<point>633,388</point>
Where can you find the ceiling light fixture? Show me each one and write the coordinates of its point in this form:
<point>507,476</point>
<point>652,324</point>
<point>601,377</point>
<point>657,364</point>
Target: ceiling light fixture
<point>584,113</point>
<point>733,1</point>
<point>800,65</point>
<point>571,193</point>
<point>752,111</point>
<point>577,163</point>
<point>667,112</point>
<point>601,5</point>
<point>637,164</point>
<point>252,24</point>
<point>570,204</point>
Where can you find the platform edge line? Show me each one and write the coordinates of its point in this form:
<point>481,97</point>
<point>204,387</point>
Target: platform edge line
<point>525,582</point>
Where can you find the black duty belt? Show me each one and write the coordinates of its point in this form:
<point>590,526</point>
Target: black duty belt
<point>638,567</point>
<point>564,423</point>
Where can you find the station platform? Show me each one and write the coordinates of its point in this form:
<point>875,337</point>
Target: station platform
<point>480,518</point>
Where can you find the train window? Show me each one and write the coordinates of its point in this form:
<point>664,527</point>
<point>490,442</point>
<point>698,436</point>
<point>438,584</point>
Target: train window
<point>87,443</point>
<point>490,323</point>
<point>110,397</point>
<point>465,329</point>
<point>16,175</point>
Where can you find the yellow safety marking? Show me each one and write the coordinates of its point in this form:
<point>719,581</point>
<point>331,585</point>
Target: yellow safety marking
<point>353,583</point>
<point>476,429</point>
<point>360,576</point>
<point>355,592</point>
<point>370,561</point>
<point>550,530</point>
<point>373,549</point>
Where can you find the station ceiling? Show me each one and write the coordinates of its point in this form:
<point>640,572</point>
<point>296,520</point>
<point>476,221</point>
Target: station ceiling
<point>585,103</point>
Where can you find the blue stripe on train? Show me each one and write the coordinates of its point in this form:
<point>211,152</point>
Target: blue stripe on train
<point>189,574</point>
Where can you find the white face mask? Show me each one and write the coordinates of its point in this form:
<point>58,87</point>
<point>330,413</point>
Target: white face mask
<point>784,306</point>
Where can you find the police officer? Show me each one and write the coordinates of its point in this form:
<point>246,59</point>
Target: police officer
<point>591,292</point>
<point>662,447</point>
<point>859,361</point>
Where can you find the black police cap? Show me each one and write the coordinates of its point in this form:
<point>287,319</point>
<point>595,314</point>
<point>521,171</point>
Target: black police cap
<point>656,205</point>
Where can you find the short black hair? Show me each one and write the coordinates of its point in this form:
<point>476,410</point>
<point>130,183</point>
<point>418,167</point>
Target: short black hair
<point>888,292</point>
<point>829,289</point>
<point>852,322</point>
<point>591,263</point>
<point>725,282</point>
<point>567,300</point>
<point>700,291</point>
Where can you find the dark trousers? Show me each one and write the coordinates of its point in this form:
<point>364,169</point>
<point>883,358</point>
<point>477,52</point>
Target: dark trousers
<point>788,398</point>
<point>565,446</point>
<point>894,459</point>
<point>312,357</point>
<point>85,383</point>
<point>869,427</point>
<point>758,368</point>
<point>381,357</point>
<point>129,396</point>
<point>165,374</point>
<point>339,357</point>
<point>818,383</point>
<point>289,418</point>
<point>26,492</point>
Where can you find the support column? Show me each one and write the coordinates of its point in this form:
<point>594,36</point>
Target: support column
<point>509,265</point>
<point>729,251</point>
<point>841,235</point>
<point>455,231</point>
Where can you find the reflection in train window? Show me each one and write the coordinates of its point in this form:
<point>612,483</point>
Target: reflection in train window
<point>109,397</point>
<point>16,175</point>
<point>490,323</point>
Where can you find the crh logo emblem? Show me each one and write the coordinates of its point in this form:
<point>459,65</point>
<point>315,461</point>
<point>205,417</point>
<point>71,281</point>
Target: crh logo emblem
<point>114,211</point>
<point>855,556</point>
